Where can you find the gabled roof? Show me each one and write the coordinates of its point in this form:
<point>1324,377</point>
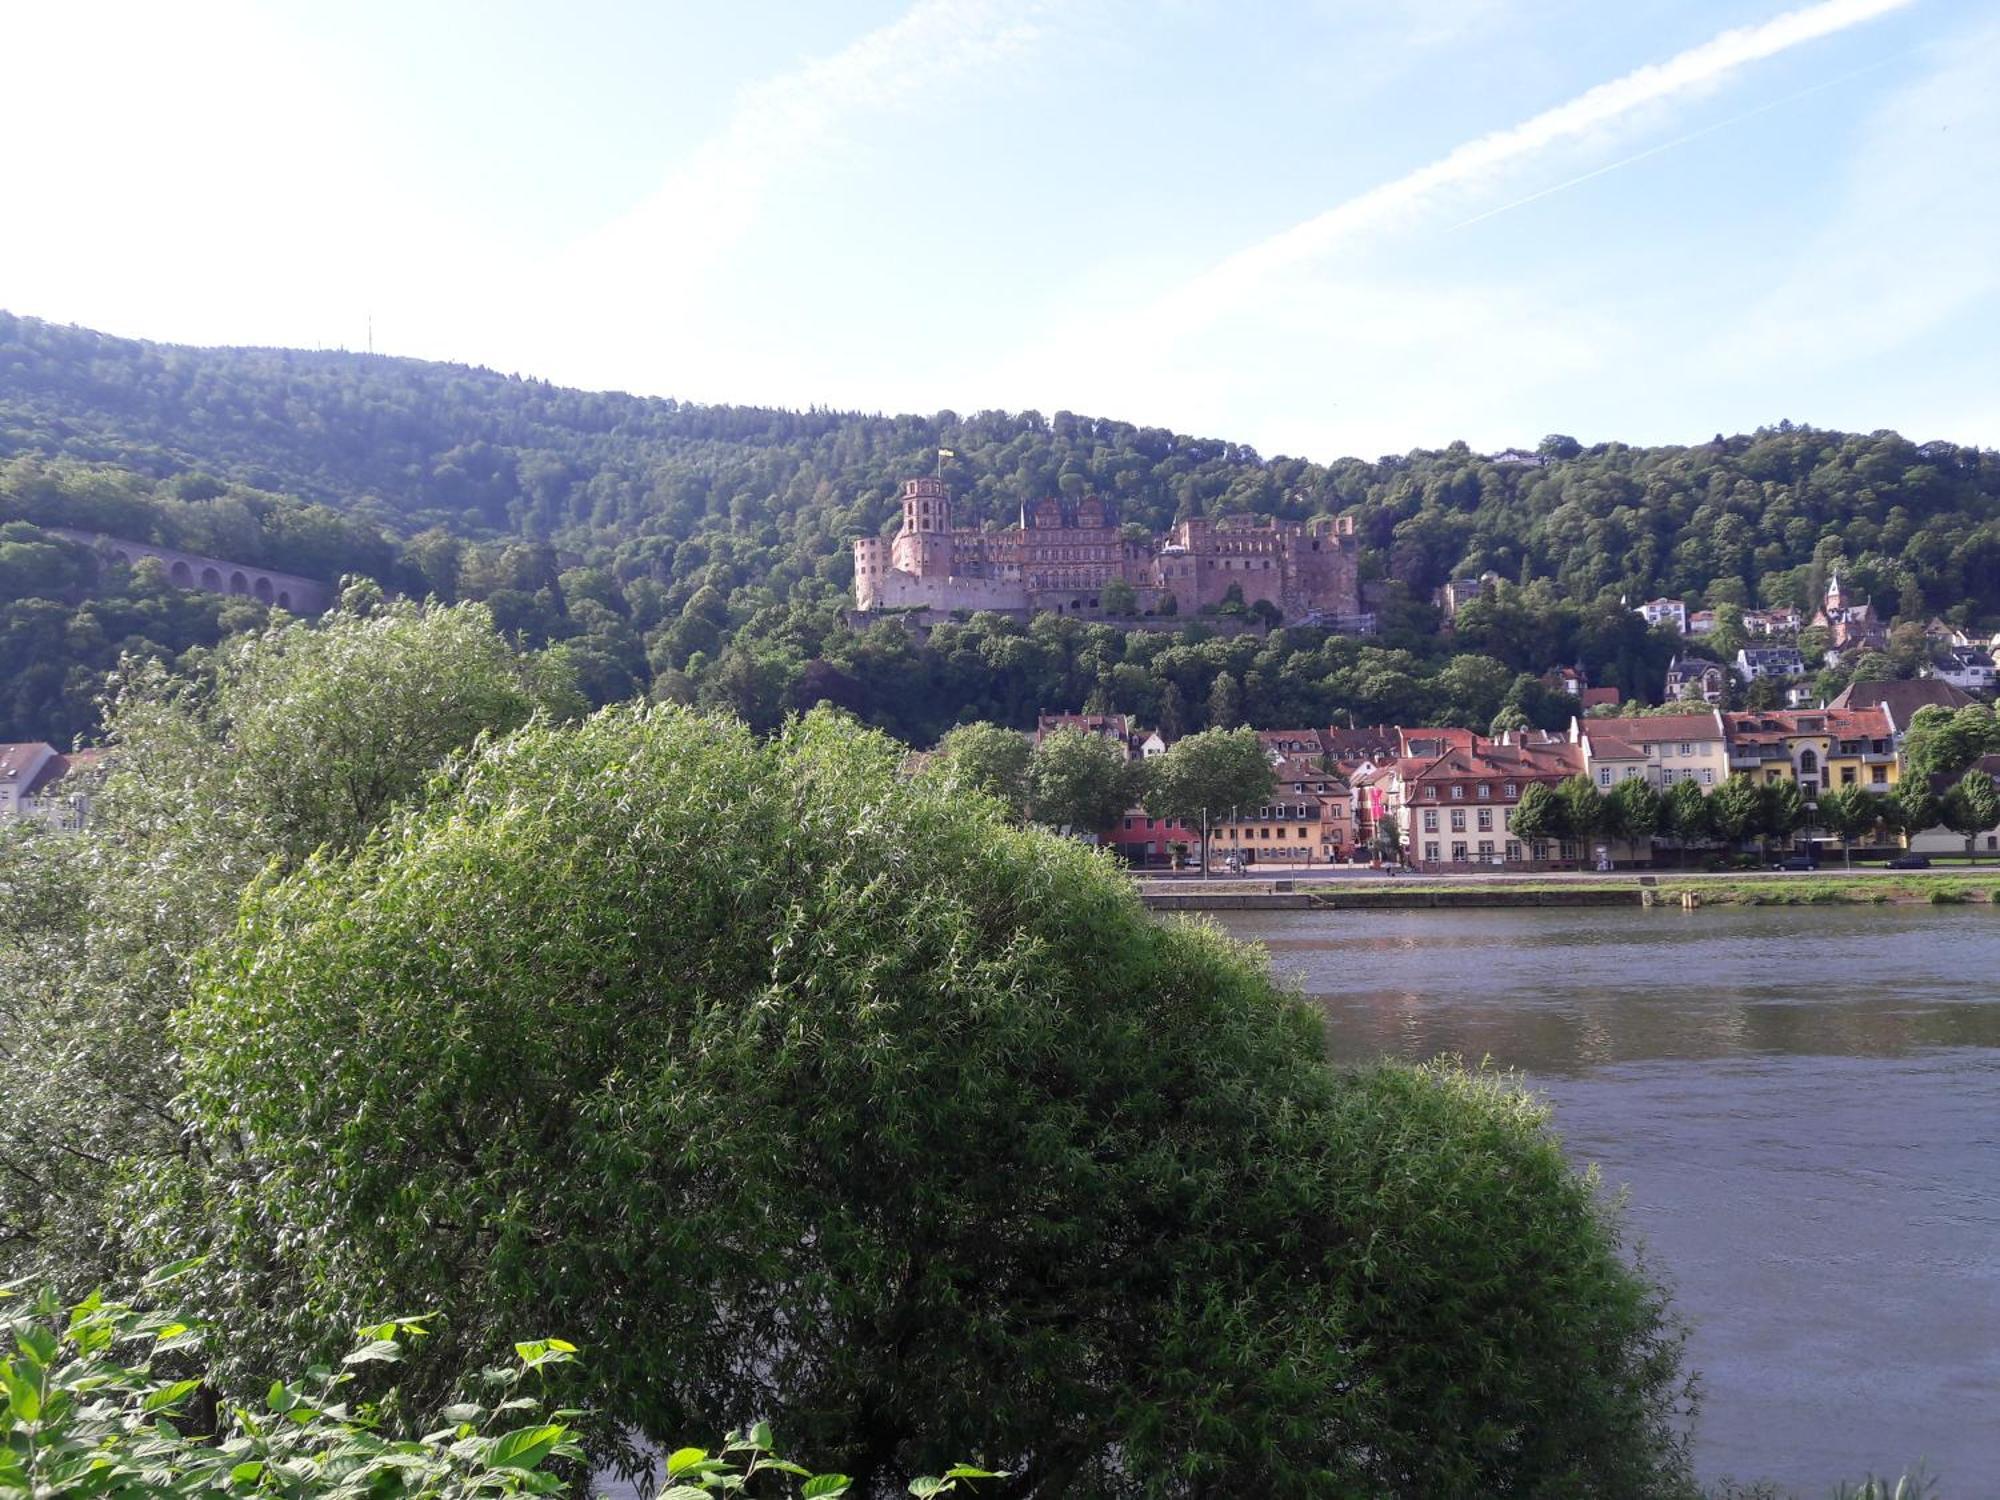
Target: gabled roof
<point>1902,698</point>
<point>56,767</point>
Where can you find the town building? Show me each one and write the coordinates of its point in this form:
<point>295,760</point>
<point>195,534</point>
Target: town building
<point>1695,676</point>
<point>1820,749</point>
<point>1666,612</point>
<point>1455,809</point>
<point>1459,592</point>
<point>1782,621</point>
<point>1666,749</point>
<point>1901,698</point>
<point>1061,555</point>
<point>1754,663</point>
<point>41,782</point>
<point>1964,667</point>
<point>1114,727</point>
<point>1850,621</point>
<point>1701,622</point>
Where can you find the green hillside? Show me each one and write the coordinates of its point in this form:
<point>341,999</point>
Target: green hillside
<point>702,552</point>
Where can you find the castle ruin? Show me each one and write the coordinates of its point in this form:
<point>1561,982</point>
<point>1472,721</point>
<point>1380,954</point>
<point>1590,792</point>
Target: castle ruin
<point>1060,555</point>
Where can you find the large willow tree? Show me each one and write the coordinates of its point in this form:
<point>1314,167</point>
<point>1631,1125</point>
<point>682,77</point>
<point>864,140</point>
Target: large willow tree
<point>789,1089</point>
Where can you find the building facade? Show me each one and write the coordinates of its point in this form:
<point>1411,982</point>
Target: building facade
<point>1061,555</point>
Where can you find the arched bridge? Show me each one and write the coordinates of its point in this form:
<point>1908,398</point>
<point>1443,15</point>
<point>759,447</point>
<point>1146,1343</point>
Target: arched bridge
<point>213,575</point>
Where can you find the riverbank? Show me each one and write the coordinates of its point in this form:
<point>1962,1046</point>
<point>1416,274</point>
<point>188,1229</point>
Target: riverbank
<point>1878,888</point>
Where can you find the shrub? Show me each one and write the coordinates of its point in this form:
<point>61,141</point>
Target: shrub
<point>793,1089</point>
<point>104,1399</point>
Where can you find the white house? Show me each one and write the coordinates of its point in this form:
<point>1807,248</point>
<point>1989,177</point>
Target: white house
<point>1965,667</point>
<point>1753,663</point>
<point>1667,611</point>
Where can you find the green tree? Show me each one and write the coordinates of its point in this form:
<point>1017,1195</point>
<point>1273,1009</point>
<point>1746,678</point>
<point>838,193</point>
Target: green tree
<point>908,1130</point>
<point>299,738</point>
<point>1119,599</point>
<point>1942,743</point>
<point>1540,815</point>
<point>990,758</point>
<point>1971,807</point>
<point>1685,815</point>
<point>1205,773</point>
<point>1849,812</point>
<point>1729,636</point>
<point>1914,806</point>
<point>1784,811</point>
<point>1080,782</point>
<point>1736,809</point>
<point>1225,702</point>
<point>1633,811</point>
<point>1582,809</point>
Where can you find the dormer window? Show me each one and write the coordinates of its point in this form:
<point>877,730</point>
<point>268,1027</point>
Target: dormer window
<point>1485,790</point>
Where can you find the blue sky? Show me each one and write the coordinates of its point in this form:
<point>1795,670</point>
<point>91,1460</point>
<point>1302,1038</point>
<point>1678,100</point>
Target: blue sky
<point>1326,227</point>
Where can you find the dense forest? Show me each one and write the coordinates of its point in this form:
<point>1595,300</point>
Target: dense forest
<point>699,553</point>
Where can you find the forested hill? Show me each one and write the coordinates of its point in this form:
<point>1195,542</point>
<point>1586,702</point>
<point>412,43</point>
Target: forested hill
<point>704,550</point>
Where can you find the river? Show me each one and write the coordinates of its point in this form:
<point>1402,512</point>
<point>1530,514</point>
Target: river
<point>1802,1106</point>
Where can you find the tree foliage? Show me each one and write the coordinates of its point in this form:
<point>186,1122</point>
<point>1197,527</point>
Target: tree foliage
<point>1080,782</point>
<point>690,551</point>
<point>903,1126</point>
<point>1209,772</point>
<point>296,738</point>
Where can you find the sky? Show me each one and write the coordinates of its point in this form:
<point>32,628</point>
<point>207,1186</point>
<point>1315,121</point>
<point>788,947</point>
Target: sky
<point>1320,227</point>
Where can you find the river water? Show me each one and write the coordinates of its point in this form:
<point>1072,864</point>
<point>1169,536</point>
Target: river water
<point>1802,1106</point>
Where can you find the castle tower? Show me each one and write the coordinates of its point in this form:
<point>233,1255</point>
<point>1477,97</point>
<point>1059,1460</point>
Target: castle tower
<point>926,506</point>
<point>924,545</point>
<point>1835,600</point>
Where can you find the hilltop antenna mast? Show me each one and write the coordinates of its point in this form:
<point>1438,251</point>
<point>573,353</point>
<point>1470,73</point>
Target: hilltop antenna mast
<point>371,333</point>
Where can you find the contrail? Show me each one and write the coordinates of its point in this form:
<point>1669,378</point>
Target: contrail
<point>1224,285</point>
<point>1675,143</point>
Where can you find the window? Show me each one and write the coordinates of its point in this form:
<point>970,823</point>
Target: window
<point>1847,776</point>
<point>1667,776</point>
<point>1430,794</point>
<point>1513,790</point>
<point>1458,851</point>
<point>1604,776</point>
<point>1485,791</point>
<point>1708,778</point>
<point>1431,852</point>
<point>1458,820</point>
<point>1878,775</point>
<point>1430,820</point>
<point>1514,849</point>
<point>1485,820</point>
<point>1687,747</point>
<point>1486,851</point>
<point>1458,794</point>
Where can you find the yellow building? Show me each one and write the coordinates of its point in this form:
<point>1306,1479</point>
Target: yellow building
<point>1821,749</point>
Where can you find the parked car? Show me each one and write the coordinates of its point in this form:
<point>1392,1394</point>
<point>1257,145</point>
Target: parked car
<point>1796,862</point>
<point>1910,862</point>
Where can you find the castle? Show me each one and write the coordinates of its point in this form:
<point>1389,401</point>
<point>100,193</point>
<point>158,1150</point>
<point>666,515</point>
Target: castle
<point>1061,554</point>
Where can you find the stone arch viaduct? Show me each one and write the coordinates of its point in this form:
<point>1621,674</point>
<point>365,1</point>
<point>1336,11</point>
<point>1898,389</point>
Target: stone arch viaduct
<point>213,575</point>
